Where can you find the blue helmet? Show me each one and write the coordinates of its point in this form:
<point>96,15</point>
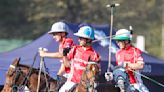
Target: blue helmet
<point>85,32</point>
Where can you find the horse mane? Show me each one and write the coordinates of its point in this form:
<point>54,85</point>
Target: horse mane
<point>34,70</point>
<point>22,65</point>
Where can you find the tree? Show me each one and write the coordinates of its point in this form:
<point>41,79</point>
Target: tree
<point>29,19</point>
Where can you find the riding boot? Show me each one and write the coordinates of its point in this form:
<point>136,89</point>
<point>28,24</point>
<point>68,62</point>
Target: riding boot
<point>121,85</point>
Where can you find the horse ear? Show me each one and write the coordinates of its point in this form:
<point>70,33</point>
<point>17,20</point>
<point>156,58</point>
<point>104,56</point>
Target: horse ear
<point>16,61</point>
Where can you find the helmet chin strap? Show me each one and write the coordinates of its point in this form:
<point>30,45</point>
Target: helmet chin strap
<point>62,37</point>
<point>127,43</point>
<point>88,42</point>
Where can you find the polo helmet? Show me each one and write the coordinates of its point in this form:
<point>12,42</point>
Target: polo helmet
<point>122,34</point>
<point>85,32</point>
<point>59,27</point>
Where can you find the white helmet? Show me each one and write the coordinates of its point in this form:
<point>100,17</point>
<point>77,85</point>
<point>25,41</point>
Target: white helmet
<point>59,27</point>
<point>122,34</point>
<point>85,32</point>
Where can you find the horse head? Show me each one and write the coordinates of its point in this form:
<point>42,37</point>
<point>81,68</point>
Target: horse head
<point>92,71</point>
<point>18,76</point>
<point>89,78</point>
<point>12,76</point>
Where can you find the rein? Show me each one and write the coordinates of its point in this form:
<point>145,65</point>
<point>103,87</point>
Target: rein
<point>24,82</point>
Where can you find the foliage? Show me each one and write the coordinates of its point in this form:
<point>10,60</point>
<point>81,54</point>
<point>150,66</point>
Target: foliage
<point>29,19</point>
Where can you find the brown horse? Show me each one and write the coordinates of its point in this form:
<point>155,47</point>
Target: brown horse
<point>89,78</point>
<point>90,81</point>
<point>18,76</point>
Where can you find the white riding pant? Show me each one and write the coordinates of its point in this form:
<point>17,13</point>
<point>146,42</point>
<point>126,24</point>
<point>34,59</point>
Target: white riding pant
<point>140,87</point>
<point>67,86</point>
<point>66,75</point>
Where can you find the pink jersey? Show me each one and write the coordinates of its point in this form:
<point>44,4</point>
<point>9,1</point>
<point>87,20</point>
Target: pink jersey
<point>131,55</point>
<point>66,43</point>
<point>79,58</point>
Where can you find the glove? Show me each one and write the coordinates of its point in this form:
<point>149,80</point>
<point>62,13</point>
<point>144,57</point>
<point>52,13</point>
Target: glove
<point>109,76</point>
<point>57,77</point>
<point>65,51</point>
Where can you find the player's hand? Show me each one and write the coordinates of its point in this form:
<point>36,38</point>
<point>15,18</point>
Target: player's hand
<point>109,76</point>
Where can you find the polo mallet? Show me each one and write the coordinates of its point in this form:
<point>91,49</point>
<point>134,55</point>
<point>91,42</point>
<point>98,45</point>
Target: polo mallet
<point>112,6</point>
<point>108,74</point>
<point>41,66</point>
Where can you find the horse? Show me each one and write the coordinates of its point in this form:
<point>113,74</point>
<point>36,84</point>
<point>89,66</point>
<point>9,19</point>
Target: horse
<point>90,80</point>
<point>18,76</point>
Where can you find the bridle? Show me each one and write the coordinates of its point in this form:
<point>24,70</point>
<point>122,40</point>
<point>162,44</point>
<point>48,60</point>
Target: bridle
<point>11,74</point>
<point>90,84</point>
<point>18,74</point>
<point>18,71</point>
